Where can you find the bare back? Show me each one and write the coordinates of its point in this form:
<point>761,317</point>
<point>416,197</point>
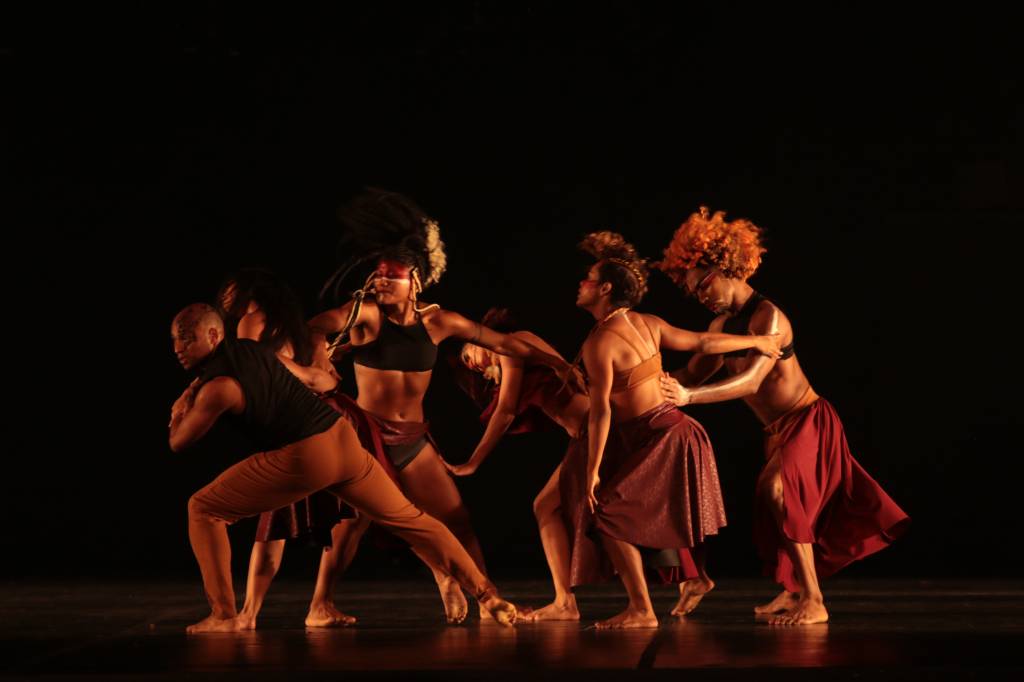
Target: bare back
<point>629,341</point>
<point>570,415</point>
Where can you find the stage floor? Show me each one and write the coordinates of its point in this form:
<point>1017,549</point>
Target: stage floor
<point>889,629</point>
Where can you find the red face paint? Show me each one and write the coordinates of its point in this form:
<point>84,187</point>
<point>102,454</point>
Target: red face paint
<point>390,269</point>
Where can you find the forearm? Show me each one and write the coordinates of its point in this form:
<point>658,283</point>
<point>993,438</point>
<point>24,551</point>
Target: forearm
<point>739,386</point>
<point>715,343</point>
<point>180,438</point>
<point>599,423</point>
<point>497,426</point>
<point>517,348</point>
<point>172,439</point>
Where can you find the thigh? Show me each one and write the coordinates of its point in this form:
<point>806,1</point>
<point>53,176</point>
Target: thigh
<point>429,485</point>
<point>259,483</point>
<point>276,478</point>
<point>374,494</point>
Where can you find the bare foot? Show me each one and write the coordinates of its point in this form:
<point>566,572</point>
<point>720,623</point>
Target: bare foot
<point>455,606</point>
<point>629,618</point>
<point>783,602</point>
<point>553,611</point>
<point>245,621</point>
<point>690,594</point>
<point>214,623</point>
<point>327,615</point>
<point>502,611</point>
<point>806,612</point>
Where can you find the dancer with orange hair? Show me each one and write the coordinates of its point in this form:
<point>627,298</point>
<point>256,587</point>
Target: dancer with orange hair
<point>818,510</point>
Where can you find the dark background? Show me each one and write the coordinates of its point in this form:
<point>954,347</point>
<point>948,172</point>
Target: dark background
<point>151,151</point>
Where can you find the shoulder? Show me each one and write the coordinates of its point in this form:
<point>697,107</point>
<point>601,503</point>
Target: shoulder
<point>444,319</point>
<point>765,316</point>
<point>220,391</point>
<point>601,340</point>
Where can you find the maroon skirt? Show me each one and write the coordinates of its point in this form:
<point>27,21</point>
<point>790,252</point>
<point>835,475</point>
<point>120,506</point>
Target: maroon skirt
<point>313,518</point>
<point>829,500</point>
<point>659,491</point>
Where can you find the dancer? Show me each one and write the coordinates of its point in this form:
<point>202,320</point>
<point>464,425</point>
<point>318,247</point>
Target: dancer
<point>818,510</point>
<point>393,341</point>
<point>522,398</point>
<point>659,494</point>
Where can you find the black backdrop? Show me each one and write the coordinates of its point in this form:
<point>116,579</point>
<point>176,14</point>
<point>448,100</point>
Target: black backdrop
<point>152,151</point>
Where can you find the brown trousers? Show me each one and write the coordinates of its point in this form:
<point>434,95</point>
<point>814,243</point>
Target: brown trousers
<point>333,460</point>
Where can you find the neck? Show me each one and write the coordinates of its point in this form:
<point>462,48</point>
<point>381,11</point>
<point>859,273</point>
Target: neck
<point>602,309</point>
<point>741,294</point>
<point>402,313</point>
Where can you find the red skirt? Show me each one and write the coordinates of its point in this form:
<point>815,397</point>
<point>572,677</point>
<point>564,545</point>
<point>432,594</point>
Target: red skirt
<point>829,500</point>
<point>659,491</point>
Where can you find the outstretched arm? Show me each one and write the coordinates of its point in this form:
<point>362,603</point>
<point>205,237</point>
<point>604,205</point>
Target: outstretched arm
<point>713,343</point>
<point>456,325</point>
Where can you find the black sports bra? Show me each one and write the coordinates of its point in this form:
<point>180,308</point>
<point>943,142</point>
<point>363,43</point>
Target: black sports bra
<point>740,324</point>
<point>397,347</point>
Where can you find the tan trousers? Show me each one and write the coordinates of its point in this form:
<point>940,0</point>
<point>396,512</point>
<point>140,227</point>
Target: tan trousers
<point>333,460</point>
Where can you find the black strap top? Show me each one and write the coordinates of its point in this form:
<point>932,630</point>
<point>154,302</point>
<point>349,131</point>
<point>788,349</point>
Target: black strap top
<point>739,324</point>
<point>279,409</point>
<point>403,348</point>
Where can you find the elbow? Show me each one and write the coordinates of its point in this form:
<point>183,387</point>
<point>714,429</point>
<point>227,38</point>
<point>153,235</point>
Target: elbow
<point>177,443</point>
<point>750,388</point>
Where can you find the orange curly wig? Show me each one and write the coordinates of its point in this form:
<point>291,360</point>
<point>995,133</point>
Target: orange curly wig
<point>734,247</point>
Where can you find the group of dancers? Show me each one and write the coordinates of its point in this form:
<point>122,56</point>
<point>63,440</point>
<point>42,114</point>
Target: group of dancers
<point>637,493</point>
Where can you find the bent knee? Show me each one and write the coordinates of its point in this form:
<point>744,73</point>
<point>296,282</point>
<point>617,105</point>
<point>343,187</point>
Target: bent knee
<point>198,508</point>
<point>771,492</point>
<point>545,505</point>
<point>201,509</point>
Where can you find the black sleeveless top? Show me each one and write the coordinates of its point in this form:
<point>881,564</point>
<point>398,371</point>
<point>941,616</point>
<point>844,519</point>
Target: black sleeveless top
<point>398,347</point>
<point>739,324</point>
<point>279,409</point>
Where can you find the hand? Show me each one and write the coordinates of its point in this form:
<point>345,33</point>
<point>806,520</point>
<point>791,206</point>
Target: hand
<point>675,392</point>
<point>186,399</point>
<point>459,469</point>
<point>770,345</point>
<point>333,371</point>
<point>592,482</point>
